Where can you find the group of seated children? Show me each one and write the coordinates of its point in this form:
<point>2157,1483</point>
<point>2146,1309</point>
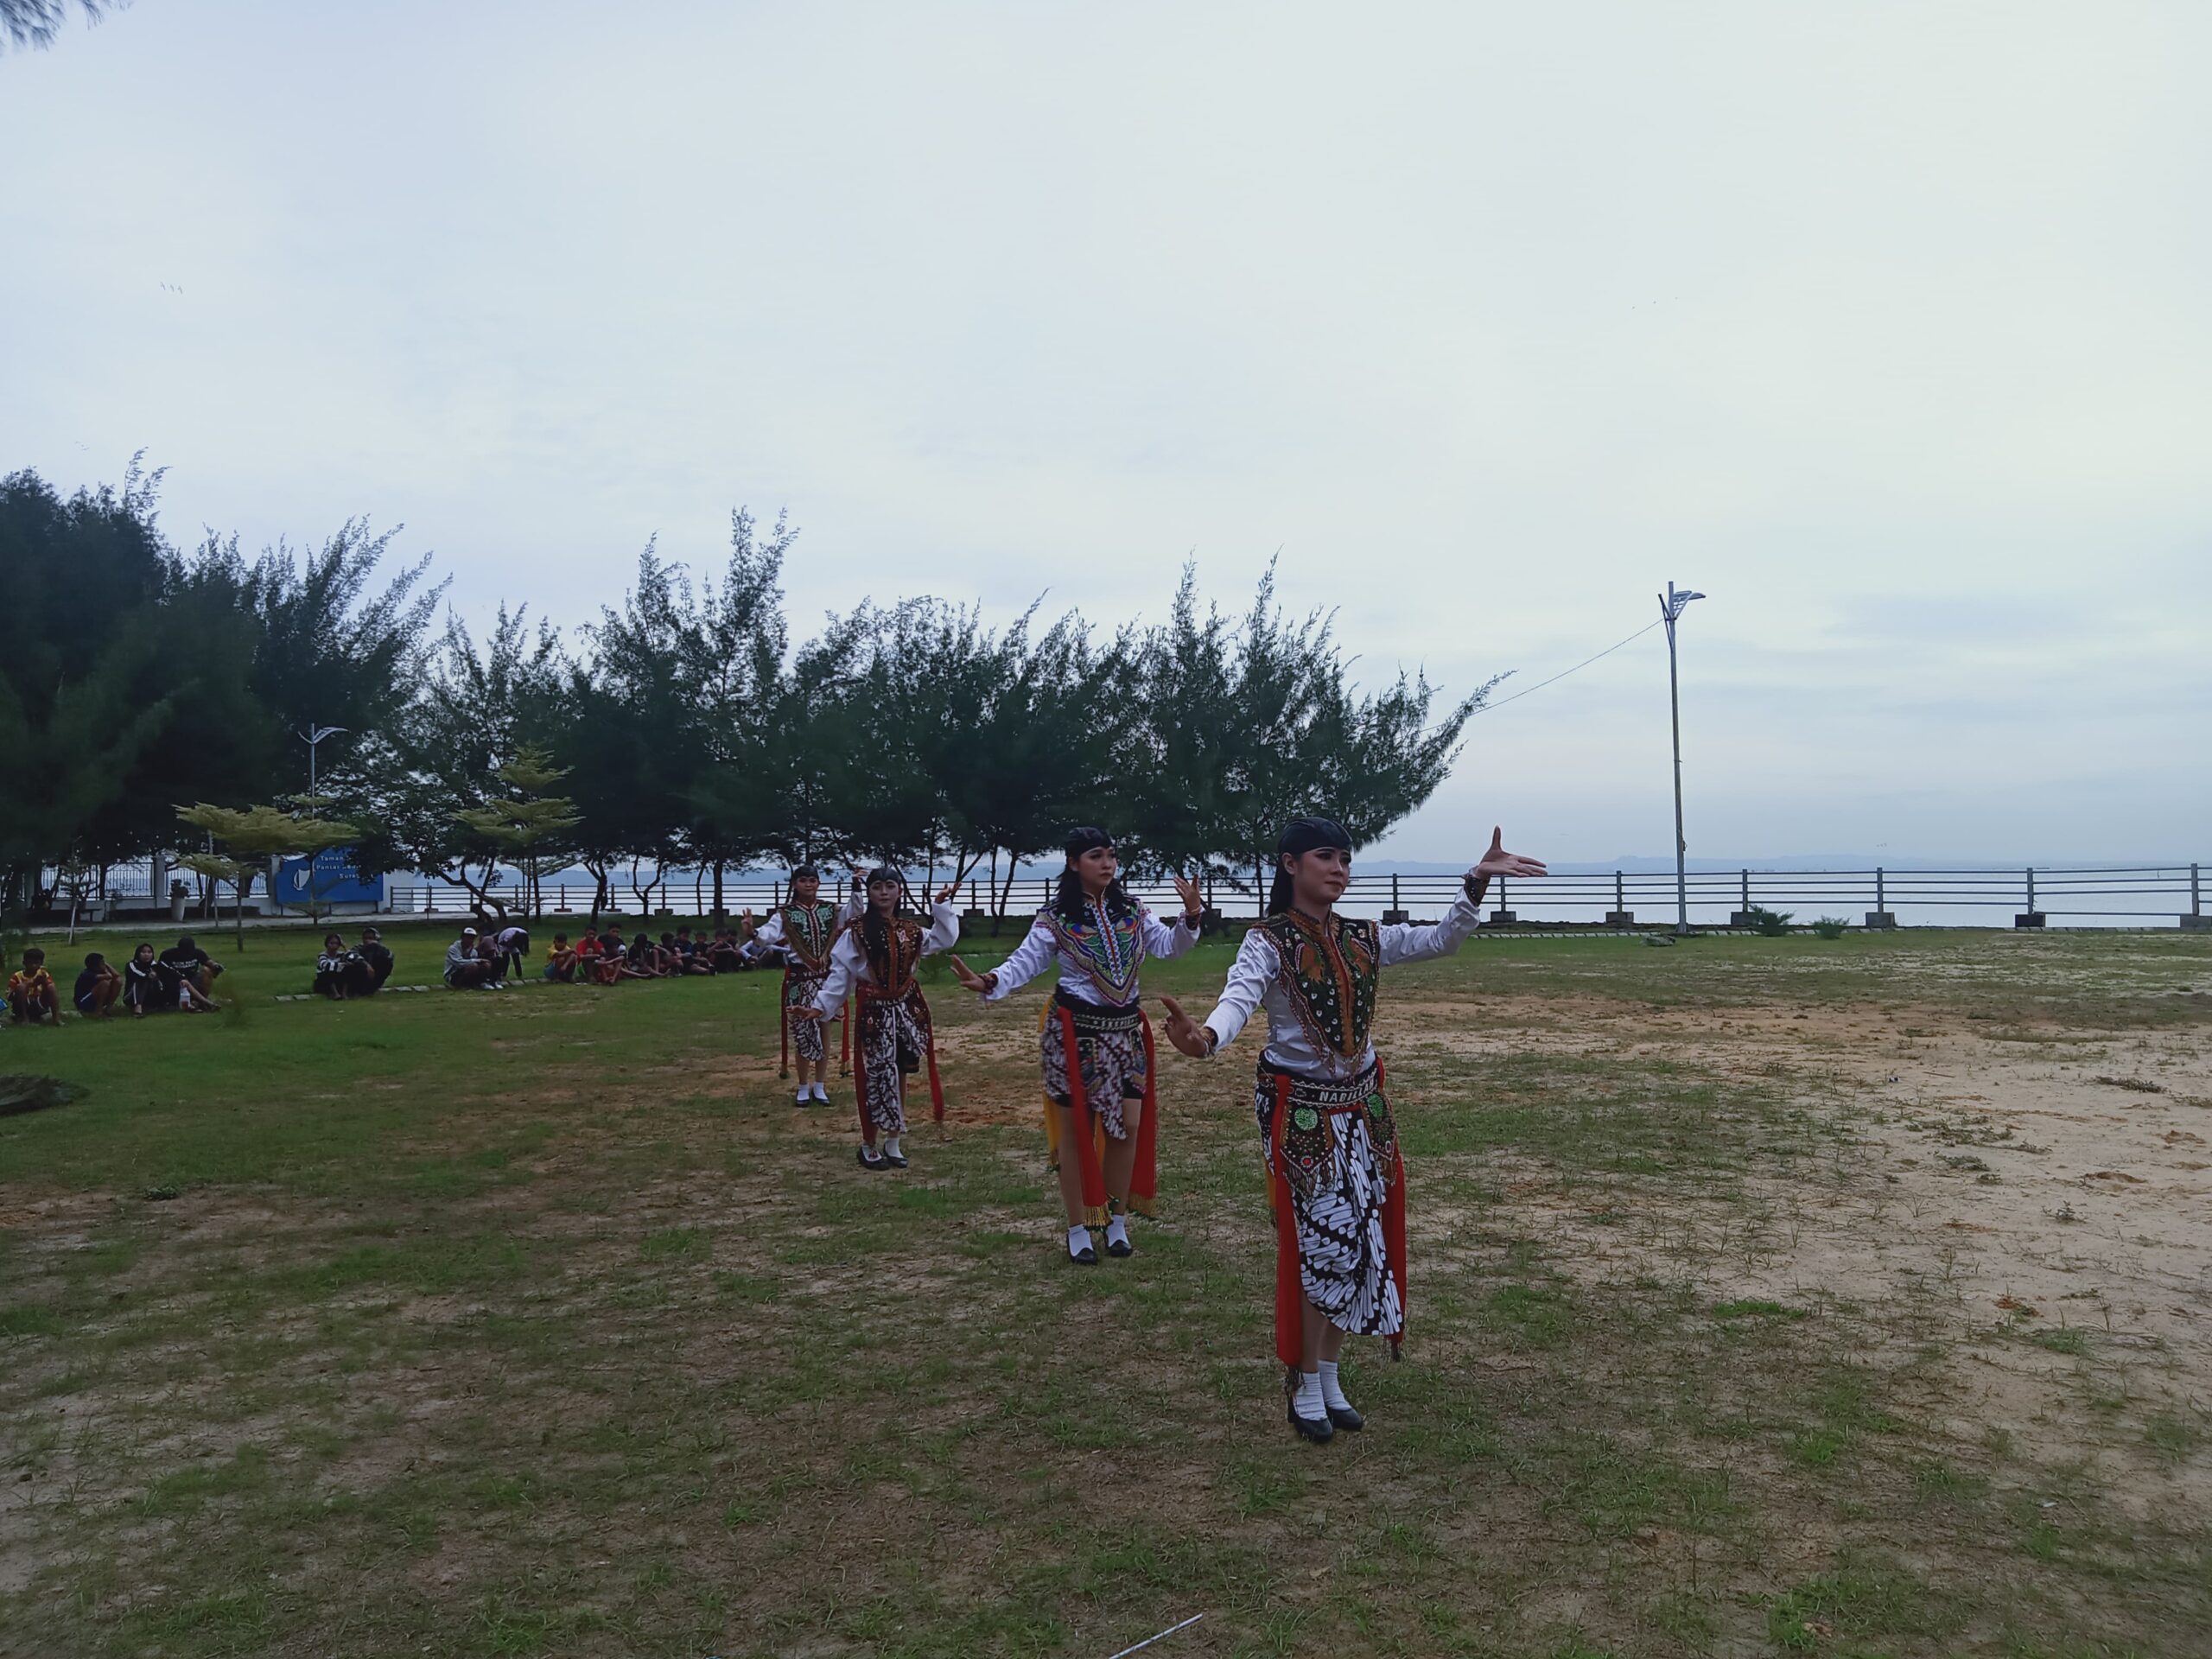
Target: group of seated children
<point>600,958</point>
<point>340,973</point>
<point>182,977</point>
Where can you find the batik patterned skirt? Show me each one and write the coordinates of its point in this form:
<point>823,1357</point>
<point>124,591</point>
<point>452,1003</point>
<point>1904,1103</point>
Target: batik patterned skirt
<point>894,1040</point>
<point>800,988</point>
<point>1110,1052</point>
<point>1338,1193</point>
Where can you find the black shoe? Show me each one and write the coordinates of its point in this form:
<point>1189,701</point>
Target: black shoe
<point>1320,1430</point>
<point>1086,1257</point>
<point>896,1160</point>
<point>1347,1419</point>
<point>1120,1247</point>
<point>866,1162</point>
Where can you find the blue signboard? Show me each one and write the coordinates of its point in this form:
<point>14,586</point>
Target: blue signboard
<point>335,882</point>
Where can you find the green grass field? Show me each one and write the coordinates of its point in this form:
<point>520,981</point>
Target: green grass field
<point>542,1322</point>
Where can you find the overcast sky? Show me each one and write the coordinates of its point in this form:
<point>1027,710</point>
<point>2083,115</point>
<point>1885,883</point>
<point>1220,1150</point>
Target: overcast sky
<point>1885,325</point>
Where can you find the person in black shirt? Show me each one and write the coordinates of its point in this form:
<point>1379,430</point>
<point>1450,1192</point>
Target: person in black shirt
<point>148,988</point>
<point>195,967</point>
<point>97,987</point>
<point>377,954</point>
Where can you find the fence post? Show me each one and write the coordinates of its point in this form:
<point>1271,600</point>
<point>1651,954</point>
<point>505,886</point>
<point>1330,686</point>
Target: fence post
<point>1743,917</point>
<point>2196,921</point>
<point>1503,916</point>
<point>2032,917</point>
<point>1879,916</point>
<point>1620,915</point>
<point>1397,911</point>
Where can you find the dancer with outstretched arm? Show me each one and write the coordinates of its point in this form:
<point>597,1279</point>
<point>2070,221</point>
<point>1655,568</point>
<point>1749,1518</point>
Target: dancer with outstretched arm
<point>874,961</point>
<point>1096,1043</point>
<point>1336,1183</point>
<point>803,930</point>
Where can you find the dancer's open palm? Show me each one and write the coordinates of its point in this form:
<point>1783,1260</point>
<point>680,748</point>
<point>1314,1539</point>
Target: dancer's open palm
<point>746,917</point>
<point>1186,889</point>
<point>1183,1032</point>
<point>967,975</point>
<point>944,893</point>
<point>1499,861</point>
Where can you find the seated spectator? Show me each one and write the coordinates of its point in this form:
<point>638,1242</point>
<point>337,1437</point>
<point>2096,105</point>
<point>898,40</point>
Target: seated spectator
<point>99,988</point>
<point>373,951</point>
<point>726,955</point>
<point>180,986</point>
<point>682,955</point>
<point>645,957</point>
<point>190,963</point>
<point>32,998</point>
<point>340,973</point>
<point>148,988</point>
<point>465,967</point>
<point>561,961</point>
<point>617,963</point>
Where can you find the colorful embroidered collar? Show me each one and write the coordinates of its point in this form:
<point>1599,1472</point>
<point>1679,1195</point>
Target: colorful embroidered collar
<point>1328,971</point>
<point>1110,951</point>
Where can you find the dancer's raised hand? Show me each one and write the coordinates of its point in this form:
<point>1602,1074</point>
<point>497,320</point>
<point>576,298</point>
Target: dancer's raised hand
<point>745,919</point>
<point>1186,1033</point>
<point>1499,861</point>
<point>944,893</point>
<point>1186,889</point>
<point>967,975</point>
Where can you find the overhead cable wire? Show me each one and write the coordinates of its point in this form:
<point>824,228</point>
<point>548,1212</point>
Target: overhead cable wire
<point>1577,668</point>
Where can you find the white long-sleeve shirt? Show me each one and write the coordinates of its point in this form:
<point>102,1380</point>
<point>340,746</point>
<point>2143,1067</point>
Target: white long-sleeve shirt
<point>848,959</point>
<point>770,939</point>
<point>1255,983</point>
<point>1079,976</point>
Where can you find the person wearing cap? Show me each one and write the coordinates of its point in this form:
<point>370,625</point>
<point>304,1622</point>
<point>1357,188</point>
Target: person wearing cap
<point>465,968</point>
<point>1101,1112</point>
<point>874,961</point>
<point>800,932</point>
<point>1336,1182</point>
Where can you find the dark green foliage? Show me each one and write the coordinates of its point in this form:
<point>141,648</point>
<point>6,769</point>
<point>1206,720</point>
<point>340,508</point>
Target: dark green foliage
<point>693,735</point>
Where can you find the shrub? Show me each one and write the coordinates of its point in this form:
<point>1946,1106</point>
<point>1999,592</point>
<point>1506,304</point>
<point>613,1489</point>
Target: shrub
<point>1772,923</point>
<point>1830,927</point>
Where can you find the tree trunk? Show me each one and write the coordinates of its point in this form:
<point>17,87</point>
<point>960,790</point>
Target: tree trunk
<point>721,914</point>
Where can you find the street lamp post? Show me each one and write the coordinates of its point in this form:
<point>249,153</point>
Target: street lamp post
<point>1671,605</point>
<point>313,737</point>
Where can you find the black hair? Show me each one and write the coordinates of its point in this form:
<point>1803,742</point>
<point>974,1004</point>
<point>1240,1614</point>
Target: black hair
<point>1301,836</point>
<point>1069,902</point>
<point>33,953</point>
<point>874,935</point>
<point>94,958</point>
<point>806,872</point>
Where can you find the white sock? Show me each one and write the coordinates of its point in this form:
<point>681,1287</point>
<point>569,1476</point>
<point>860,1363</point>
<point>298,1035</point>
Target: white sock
<point>804,1095</point>
<point>1117,1231</point>
<point>1332,1393</point>
<point>1078,1239</point>
<point>1307,1402</point>
<point>891,1145</point>
<point>820,1093</point>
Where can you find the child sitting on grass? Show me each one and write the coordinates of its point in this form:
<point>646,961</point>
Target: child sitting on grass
<point>561,961</point>
<point>97,987</point>
<point>32,998</point>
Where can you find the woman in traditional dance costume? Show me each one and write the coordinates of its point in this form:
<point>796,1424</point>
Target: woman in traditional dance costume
<point>1096,1041</point>
<point>802,932</point>
<point>875,960</point>
<point>1335,1181</point>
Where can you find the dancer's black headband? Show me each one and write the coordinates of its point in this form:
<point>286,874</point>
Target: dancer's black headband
<point>885,873</point>
<point>806,872</point>
<point>1309,834</point>
<point>1086,837</point>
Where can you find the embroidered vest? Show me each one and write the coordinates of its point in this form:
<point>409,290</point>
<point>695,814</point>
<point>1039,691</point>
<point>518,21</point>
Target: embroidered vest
<point>1328,971</point>
<point>809,931</point>
<point>891,964</point>
<point>1110,950</point>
